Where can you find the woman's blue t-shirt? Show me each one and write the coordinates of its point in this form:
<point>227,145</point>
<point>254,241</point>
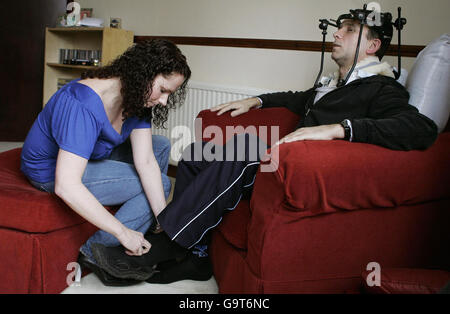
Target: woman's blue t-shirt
<point>74,119</point>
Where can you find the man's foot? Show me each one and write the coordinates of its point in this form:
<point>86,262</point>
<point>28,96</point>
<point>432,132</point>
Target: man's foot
<point>119,264</point>
<point>191,267</point>
<point>104,277</point>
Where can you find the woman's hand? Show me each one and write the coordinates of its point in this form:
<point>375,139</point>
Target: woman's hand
<point>134,242</point>
<point>238,107</point>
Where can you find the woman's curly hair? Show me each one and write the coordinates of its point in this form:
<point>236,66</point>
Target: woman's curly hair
<point>137,68</point>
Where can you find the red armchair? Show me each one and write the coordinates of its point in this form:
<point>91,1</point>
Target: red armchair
<point>311,226</point>
<point>328,209</point>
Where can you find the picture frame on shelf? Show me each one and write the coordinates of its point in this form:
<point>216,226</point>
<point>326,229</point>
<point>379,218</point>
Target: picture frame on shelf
<point>115,22</point>
<point>86,12</point>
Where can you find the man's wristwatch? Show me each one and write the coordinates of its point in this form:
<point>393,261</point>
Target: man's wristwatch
<point>260,103</point>
<point>348,132</point>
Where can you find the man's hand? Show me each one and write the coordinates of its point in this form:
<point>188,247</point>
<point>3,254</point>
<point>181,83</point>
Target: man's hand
<point>315,133</point>
<point>238,106</point>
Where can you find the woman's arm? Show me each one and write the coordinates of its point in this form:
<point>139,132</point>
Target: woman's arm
<point>148,168</point>
<point>69,187</point>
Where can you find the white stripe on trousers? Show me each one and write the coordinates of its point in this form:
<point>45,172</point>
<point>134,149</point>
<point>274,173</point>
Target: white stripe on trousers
<point>252,164</point>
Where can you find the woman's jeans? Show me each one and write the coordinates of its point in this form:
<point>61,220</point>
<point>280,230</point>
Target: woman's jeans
<point>114,181</point>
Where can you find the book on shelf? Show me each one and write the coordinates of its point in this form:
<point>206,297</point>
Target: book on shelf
<point>80,57</point>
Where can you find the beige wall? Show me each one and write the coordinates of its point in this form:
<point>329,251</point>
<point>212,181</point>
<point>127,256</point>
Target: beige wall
<point>268,19</point>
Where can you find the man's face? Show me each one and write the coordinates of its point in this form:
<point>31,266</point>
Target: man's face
<point>345,42</point>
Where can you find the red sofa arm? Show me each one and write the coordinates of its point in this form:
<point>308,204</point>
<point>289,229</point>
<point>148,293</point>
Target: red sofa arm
<point>316,177</point>
<point>408,281</point>
<point>270,124</point>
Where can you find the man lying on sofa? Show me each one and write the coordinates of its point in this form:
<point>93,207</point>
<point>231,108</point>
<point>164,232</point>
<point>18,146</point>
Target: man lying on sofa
<point>364,105</point>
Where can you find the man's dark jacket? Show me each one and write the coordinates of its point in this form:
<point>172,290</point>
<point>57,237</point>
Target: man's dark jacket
<point>377,107</point>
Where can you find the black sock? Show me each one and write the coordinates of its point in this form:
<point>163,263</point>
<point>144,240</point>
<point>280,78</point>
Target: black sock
<point>191,267</point>
<point>162,249</point>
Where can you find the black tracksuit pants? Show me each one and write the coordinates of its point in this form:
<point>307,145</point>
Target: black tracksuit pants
<point>211,180</point>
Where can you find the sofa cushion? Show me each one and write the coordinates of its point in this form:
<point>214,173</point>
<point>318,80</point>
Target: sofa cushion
<point>407,281</point>
<point>269,124</point>
<point>320,177</point>
<point>25,208</point>
<point>429,80</point>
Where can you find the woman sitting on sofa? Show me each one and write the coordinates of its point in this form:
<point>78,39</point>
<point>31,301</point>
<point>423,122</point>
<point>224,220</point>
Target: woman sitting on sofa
<point>92,144</point>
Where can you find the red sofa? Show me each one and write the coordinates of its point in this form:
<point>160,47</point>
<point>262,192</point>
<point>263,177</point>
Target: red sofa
<point>311,226</point>
<point>329,209</point>
<point>409,281</point>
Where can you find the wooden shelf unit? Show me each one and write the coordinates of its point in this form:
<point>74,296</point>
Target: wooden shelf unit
<point>111,41</point>
<point>70,66</point>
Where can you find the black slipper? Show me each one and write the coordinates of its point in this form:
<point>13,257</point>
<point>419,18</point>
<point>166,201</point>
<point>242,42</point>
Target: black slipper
<point>104,277</point>
<point>119,264</point>
<point>191,267</point>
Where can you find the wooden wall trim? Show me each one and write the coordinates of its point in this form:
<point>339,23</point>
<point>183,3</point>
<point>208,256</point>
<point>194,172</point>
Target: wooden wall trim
<point>301,45</point>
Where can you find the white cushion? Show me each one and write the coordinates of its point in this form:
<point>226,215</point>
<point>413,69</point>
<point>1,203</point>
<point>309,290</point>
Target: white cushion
<point>403,76</point>
<point>429,81</point>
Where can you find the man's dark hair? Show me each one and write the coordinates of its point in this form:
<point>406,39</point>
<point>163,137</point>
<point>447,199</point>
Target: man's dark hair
<point>383,33</point>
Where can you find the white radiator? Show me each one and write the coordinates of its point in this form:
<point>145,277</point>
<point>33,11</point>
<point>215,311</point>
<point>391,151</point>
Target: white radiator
<point>199,96</point>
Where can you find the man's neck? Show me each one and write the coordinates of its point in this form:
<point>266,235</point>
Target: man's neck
<point>344,69</point>
<point>343,72</point>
